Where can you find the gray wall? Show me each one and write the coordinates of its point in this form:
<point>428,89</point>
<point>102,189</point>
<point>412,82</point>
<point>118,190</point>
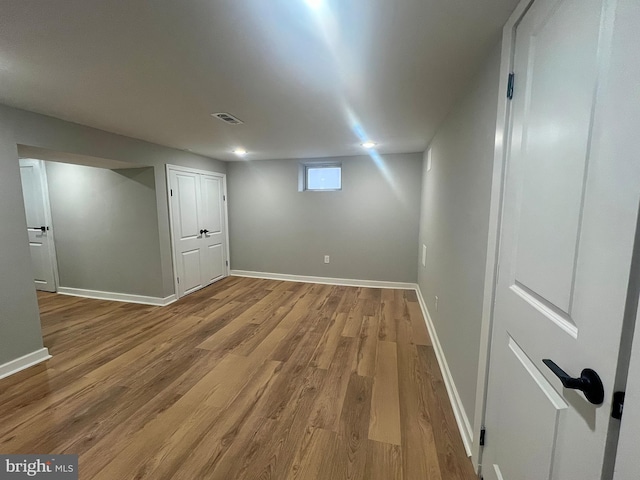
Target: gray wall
<point>106,228</point>
<point>369,228</point>
<point>19,320</point>
<point>454,225</point>
<point>20,331</point>
<point>41,131</point>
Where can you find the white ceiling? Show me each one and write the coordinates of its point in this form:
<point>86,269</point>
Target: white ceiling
<point>308,77</point>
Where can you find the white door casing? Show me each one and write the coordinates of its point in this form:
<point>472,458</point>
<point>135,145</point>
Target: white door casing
<point>626,462</point>
<point>198,227</point>
<point>568,229</point>
<point>37,210</point>
<point>625,77</point>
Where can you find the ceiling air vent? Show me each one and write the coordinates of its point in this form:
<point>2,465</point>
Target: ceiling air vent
<point>227,118</point>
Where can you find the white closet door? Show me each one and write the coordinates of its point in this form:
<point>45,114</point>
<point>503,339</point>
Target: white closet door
<point>38,224</point>
<point>187,244</point>
<point>198,228</point>
<point>214,258</point>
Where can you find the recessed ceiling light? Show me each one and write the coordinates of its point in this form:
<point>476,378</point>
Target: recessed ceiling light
<point>240,152</point>
<point>369,144</point>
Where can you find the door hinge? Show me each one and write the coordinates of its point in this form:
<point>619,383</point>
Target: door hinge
<point>617,405</point>
<point>510,85</point>
<point>178,280</point>
<point>171,190</point>
<point>224,198</point>
<point>482,433</point>
<point>227,262</point>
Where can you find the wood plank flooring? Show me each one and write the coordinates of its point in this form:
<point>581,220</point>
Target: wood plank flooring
<point>245,379</point>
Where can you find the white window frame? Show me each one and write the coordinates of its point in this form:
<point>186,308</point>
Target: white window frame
<point>303,175</point>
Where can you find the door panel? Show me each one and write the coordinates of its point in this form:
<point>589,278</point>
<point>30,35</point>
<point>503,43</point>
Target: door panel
<point>555,138</point>
<point>214,267</point>
<point>213,222</point>
<point>533,408</point>
<point>191,278</point>
<point>187,243</point>
<point>32,192</point>
<point>187,197</point>
<point>567,236</point>
<point>41,246</point>
<point>212,204</point>
<point>39,260</point>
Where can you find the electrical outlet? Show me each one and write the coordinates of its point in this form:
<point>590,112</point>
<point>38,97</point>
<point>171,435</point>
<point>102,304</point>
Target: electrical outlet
<point>326,259</point>
<point>424,255</point>
<point>436,303</point>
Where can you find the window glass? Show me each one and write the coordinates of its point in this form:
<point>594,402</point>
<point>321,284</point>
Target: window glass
<point>324,178</point>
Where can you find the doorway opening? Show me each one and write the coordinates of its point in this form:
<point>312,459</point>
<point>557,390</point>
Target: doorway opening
<point>93,226</point>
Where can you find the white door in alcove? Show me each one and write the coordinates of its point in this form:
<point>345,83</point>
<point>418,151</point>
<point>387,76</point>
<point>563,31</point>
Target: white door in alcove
<point>569,214</point>
<point>36,205</point>
<point>198,225</point>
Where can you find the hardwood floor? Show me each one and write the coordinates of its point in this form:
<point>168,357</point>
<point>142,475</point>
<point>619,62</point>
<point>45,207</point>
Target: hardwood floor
<point>245,379</point>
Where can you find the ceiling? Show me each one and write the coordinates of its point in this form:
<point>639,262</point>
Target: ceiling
<point>310,78</point>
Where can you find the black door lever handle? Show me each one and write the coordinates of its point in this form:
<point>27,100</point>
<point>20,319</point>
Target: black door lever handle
<point>588,383</point>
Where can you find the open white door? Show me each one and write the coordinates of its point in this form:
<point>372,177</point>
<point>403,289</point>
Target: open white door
<point>36,204</point>
<point>570,208</point>
<point>198,226</point>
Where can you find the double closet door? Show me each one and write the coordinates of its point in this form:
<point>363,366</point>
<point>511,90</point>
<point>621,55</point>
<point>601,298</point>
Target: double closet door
<point>198,226</point>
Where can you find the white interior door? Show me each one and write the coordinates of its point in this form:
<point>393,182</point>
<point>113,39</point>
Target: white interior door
<point>187,239</point>
<point>568,229</point>
<point>198,228</point>
<point>214,260</point>
<point>36,204</point>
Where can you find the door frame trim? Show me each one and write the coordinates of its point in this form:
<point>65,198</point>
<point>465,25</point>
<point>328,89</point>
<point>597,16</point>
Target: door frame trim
<point>503,120</point>
<point>178,168</point>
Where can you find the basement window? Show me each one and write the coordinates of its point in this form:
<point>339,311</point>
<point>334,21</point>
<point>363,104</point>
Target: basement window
<point>320,177</point>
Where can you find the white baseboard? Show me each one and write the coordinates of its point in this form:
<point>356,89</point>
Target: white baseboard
<point>26,361</point>
<point>466,430</point>
<point>324,280</point>
<point>117,297</point>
